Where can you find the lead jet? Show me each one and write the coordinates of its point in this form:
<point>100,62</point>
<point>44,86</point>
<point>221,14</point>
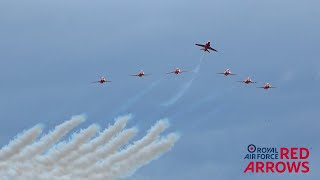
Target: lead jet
<point>140,74</point>
<point>206,47</point>
<point>102,80</point>
<point>266,86</point>
<point>247,81</point>
<point>227,72</point>
<point>177,71</point>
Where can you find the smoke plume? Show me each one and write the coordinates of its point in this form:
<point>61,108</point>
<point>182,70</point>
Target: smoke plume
<point>89,154</point>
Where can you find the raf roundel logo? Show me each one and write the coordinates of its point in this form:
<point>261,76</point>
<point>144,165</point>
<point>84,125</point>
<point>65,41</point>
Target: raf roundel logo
<point>251,148</point>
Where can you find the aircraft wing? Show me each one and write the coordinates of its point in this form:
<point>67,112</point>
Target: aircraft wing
<point>220,73</point>
<point>170,72</point>
<point>95,82</point>
<point>232,74</point>
<point>200,45</point>
<point>212,49</point>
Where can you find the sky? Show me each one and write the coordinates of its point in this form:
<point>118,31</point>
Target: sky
<point>50,51</point>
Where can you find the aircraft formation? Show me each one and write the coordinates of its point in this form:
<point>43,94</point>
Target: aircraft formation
<point>205,47</point>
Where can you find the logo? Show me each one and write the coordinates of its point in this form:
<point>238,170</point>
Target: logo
<point>277,160</point>
<point>251,148</point>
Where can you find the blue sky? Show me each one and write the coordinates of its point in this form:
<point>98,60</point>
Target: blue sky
<point>51,50</point>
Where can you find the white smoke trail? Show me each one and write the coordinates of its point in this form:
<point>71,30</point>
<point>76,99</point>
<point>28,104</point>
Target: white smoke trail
<point>15,147</point>
<point>130,102</point>
<point>192,107</point>
<point>128,166</point>
<point>197,68</point>
<point>50,139</point>
<point>58,153</point>
<point>105,150</point>
<point>102,139</point>
<point>151,136</point>
<point>184,88</point>
<point>21,141</point>
<point>181,92</point>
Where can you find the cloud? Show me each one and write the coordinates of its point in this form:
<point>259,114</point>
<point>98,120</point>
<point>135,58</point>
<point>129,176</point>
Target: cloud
<point>87,155</point>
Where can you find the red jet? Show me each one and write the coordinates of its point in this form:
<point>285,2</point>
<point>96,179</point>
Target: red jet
<point>227,72</point>
<point>176,71</point>
<point>140,74</point>
<point>266,86</point>
<point>101,81</point>
<point>206,47</point>
<point>247,81</point>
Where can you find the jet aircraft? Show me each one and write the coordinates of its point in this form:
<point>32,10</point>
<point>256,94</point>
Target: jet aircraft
<point>206,47</point>
<point>247,81</point>
<point>266,86</point>
<point>176,71</point>
<point>102,80</point>
<point>140,74</point>
<point>227,72</point>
